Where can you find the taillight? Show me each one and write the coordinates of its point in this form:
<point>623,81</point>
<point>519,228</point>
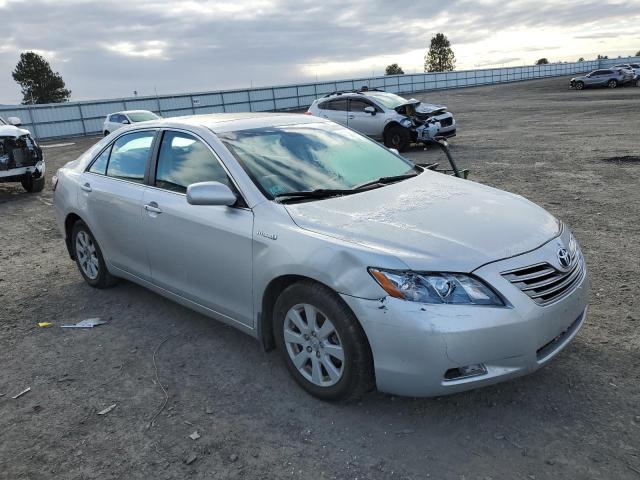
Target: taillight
<point>307,113</point>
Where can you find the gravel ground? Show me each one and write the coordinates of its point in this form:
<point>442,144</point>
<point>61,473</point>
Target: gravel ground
<point>579,417</point>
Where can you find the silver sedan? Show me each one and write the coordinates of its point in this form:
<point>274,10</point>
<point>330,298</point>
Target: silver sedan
<point>363,269</point>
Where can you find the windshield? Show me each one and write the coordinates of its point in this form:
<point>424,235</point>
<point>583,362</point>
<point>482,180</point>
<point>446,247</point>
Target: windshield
<point>389,100</point>
<point>142,116</point>
<point>311,156</point>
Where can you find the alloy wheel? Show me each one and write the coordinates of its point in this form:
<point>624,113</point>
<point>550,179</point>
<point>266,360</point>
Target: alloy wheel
<point>87,255</point>
<point>313,345</point>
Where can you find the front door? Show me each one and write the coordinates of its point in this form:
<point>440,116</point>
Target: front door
<point>200,252</point>
<point>365,122</point>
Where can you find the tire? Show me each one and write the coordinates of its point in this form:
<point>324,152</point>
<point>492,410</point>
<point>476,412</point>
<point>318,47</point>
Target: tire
<point>579,85</point>
<point>97,274</point>
<point>612,83</point>
<point>397,137</point>
<point>342,336</point>
<point>32,185</point>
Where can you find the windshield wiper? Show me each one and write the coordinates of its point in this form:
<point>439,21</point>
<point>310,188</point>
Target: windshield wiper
<point>387,180</point>
<point>318,193</point>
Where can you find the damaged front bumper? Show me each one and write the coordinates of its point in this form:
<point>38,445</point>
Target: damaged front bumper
<point>20,156</point>
<point>428,350</point>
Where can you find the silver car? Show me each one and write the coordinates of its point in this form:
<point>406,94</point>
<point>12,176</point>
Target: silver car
<point>386,116</point>
<point>611,78</point>
<point>362,268</point>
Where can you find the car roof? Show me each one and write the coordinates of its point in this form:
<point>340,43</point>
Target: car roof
<point>228,122</point>
<point>131,111</point>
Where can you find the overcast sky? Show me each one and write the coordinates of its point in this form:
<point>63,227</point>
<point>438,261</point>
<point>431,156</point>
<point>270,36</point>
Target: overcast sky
<point>111,48</point>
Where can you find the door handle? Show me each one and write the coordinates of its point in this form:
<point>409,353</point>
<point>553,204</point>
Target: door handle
<point>86,187</point>
<point>152,207</point>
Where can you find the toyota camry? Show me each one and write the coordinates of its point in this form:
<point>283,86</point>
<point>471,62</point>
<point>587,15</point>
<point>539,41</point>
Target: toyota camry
<point>363,269</point>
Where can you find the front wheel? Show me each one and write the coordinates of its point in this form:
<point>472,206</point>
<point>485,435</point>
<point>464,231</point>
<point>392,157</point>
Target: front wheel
<point>32,185</point>
<point>89,257</point>
<point>322,343</point>
<point>612,84</point>
<point>579,85</point>
<point>397,137</point>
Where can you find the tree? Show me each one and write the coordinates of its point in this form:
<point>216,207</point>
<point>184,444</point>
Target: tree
<point>603,57</point>
<point>440,57</point>
<point>637,54</point>
<point>39,83</point>
<point>542,61</point>
<point>581,59</point>
<point>394,69</point>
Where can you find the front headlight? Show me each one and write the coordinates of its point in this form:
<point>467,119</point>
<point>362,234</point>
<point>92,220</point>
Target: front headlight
<point>436,287</point>
<point>407,123</point>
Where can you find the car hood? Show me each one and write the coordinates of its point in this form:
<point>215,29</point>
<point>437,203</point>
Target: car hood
<point>432,222</point>
<point>12,131</point>
<point>421,107</point>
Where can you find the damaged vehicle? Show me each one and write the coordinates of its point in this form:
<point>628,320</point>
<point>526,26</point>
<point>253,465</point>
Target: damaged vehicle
<point>20,156</point>
<point>361,268</point>
<point>385,116</point>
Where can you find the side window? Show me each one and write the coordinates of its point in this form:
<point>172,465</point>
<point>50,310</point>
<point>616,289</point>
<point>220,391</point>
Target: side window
<point>129,156</point>
<point>323,105</point>
<point>358,105</point>
<point>184,160</point>
<point>340,105</point>
<point>99,165</point>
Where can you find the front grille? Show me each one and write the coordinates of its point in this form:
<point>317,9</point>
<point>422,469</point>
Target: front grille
<point>544,283</point>
<point>446,122</point>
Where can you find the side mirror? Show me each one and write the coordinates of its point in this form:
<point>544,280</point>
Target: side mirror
<point>15,121</point>
<point>370,110</point>
<point>210,193</point>
<point>125,122</point>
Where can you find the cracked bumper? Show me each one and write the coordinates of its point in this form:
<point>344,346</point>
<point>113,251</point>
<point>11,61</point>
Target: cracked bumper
<point>413,344</point>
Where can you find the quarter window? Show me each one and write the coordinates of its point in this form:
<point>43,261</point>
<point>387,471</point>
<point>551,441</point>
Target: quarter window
<point>184,160</point>
<point>129,156</point>
<point>100,164</point>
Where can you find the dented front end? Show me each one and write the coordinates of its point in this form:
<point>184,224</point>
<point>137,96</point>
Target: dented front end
<point>427,121</point>
<point>18,152</point>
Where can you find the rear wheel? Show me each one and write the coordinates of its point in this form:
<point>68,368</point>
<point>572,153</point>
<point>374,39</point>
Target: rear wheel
<point>322,343</point>
<point>579,85</point>
<point>32,185</point>
<point>89,257</point>
<point>397,137</point>
<point>612,83</point>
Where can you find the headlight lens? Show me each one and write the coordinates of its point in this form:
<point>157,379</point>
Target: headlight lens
<point>436,287</point>
<point>406,123</point>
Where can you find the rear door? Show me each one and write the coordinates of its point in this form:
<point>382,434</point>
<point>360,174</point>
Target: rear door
<point>111,193</point>
<point>336,110</point>
<point>365,122</point>
<point>200,252</point>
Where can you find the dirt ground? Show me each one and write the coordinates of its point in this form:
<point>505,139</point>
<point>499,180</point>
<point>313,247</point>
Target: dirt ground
<point>577,418</point>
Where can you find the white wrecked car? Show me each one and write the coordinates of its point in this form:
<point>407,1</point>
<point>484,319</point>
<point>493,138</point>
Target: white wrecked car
<point>20,156</point>
<point>386,116</point>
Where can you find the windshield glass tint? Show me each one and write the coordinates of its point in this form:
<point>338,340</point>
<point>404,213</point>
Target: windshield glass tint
<point>142,116</point>
<point>389,100</point>
<point>307,157</point>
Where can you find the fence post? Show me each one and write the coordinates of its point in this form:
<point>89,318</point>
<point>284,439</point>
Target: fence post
<point>33,121</point>
<point>84,127</point>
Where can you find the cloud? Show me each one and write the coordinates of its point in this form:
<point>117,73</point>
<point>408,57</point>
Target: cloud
<point>109,49</point>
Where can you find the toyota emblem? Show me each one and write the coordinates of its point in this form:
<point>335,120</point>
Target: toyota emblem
<point>564,257</point>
